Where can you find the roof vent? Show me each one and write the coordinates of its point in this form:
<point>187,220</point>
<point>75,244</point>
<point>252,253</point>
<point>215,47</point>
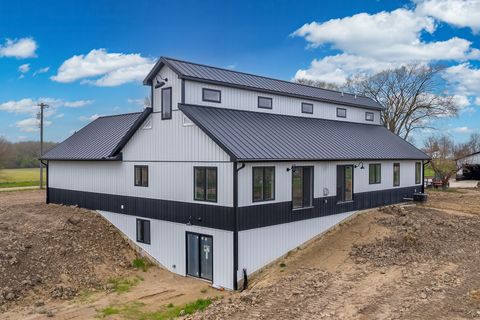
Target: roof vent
<point>342,93</point>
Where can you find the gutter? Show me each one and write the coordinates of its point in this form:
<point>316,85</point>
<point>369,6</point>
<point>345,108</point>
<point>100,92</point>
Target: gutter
<point>235,226</point>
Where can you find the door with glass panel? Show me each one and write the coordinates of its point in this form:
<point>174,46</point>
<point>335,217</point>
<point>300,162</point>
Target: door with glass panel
<point>344,183</point>
<point>200,256</point>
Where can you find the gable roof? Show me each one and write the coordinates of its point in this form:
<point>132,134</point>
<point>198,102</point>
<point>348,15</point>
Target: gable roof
<point>203,73</point>
<point>102,139</point>
<point>256,136</point>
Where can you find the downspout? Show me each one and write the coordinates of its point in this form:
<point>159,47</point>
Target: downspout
<point>46,181</point>
<point>235,220</point>
<point>423,174</point>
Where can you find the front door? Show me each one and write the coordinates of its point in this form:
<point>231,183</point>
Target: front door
<point>200,256</point>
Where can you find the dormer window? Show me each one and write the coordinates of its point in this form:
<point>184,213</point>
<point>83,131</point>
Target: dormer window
<point>307,108</point>
<point>369,116</point>
<point>341,112</point>
<point>211,95</point>
<point>265,103</point>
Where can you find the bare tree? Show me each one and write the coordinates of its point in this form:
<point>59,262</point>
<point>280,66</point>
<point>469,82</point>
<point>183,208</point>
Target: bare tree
<point>410,97</point>
<point>319,84</point>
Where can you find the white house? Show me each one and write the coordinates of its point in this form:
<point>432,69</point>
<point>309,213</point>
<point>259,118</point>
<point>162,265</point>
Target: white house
<point>229,171</point>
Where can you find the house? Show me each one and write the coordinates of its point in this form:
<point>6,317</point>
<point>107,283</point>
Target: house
<point>469,167</point>
<point>228,171</point>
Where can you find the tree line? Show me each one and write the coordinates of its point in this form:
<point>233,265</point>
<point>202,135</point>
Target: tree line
<point>23,154</point>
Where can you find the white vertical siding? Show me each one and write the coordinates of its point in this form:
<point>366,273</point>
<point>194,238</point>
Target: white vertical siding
<point>325,177</point>
<point>167,180</point>
<point>174,82</point>
<point>234,98</point>
<point>168,247</point>
<point>259,247</point>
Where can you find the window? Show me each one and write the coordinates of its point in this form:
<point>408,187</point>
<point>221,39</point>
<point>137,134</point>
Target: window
<point>374,173</point>
<point>205,184</point>
<point>369,116</point>
<point>143,231</point>
<point>263,183</point>
<point>341,112</point>
<point>211,95</point>
<point>302,187</point>
<point>167,103</point>
<point>418,172</point>
<point>344,183</point>
<point>396,174</point>
<point>141,176</point>
<point>265,102</point>
<point>307,108</point>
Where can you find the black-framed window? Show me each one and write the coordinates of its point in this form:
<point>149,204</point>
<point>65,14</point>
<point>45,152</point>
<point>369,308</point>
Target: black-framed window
<point>167,103</point>
<point>396,174</point>
<point>307,107</point>
<point>418,172</point>
<point>263,183</point>
<point>344,183</point>
<point>374,173</point>
<point>143,231</point>
<point>302,187</point>
<point>341,112</point>
<point>141,176</point>
<point>205,184</point>
<point>211,95</point>
<point>265,102</point>
<point>369,116</point>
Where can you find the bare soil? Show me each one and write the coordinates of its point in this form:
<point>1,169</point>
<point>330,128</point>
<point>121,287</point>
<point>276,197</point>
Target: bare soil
<point>59,261</point>
<point>398,262</point>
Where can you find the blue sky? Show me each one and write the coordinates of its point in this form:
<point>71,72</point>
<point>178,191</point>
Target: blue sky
<point>87,58</point>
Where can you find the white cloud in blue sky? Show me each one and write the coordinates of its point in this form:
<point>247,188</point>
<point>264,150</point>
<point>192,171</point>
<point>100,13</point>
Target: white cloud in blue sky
<point>19,48</point>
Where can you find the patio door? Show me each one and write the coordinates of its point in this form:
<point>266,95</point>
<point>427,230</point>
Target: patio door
<point>200,256</point>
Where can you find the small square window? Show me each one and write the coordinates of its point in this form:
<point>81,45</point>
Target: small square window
<point>141,176</point>
<point>307,108</point>
<point>211,95</point>
<point>369,116</point>
<point>374,173</point>
<point>265,102</point>
<point>341,112</point>
<point>143,231</point>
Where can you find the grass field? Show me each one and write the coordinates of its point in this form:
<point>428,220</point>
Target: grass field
<point>11,178</point>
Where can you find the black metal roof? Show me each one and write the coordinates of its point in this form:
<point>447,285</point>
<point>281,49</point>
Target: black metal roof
<point>203,73</point>
<point>256,136</point>
<point>102,139</point>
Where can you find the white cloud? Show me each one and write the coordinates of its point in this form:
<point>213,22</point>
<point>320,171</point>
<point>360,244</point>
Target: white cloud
<point>40,71</point>
<point>104,69</point>
<point>462,130</point>
<point>459,13</point>
<point>477,101</point>
<point>59,116</point>
<point>19,48</point>
<point>461,101</point>
<point>78,103</point>
<point>90,118</point>
<point>31,124</point>
<point>464,78</point>
<point>24,68</point>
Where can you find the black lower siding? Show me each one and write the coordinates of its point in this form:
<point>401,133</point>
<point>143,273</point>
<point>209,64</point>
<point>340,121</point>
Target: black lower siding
<point>220,217</point>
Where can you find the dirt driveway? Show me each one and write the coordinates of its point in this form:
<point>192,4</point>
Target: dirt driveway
<point>71,264</point>
<point>400,262</point>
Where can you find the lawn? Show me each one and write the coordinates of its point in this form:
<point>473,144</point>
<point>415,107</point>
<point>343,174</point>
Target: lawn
<point>10,178</point>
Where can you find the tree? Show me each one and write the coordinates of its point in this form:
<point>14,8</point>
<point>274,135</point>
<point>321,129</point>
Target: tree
<point>410,97</point>
<point>319,84</point>
<point>4,146</point>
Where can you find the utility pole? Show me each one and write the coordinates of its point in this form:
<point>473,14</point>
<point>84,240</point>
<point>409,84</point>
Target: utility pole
<point>42,106</point>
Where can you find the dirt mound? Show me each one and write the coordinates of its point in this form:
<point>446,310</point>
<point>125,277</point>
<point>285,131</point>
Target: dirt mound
<point>52,251</point>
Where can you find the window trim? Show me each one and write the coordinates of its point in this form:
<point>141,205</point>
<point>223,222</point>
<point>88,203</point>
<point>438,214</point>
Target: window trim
<point>394,165</point>
<point>141,176</point>
<point>375,176</point>
<point>307,104</point>
<point>339,116</point>
<point>163,104</point>
<point>267,98</point>
<point>214,90</point>
<point>205,187</point>
<point>368,113</point>
<point>143,221</point>
<point>418,179</point>
<point>312,198</point>
<point>263,181</point>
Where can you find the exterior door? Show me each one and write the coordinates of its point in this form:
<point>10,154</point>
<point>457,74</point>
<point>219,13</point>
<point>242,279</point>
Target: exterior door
<point>200,256</point>
<point>344,183</point>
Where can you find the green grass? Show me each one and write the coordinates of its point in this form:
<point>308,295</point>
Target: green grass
<point>133,310</point>
<point>141,264</point>
<point>122,285</point>
<point>11,178</point>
